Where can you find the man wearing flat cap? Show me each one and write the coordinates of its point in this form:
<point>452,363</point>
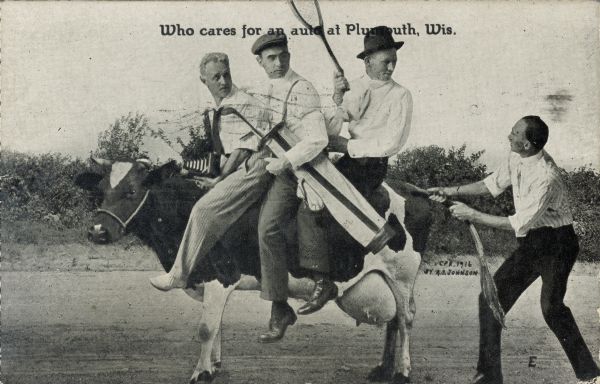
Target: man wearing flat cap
<point>304,119</point>
<point>378,112</point>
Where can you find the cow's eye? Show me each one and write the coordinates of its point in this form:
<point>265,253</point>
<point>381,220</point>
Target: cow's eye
<point>131,193</point>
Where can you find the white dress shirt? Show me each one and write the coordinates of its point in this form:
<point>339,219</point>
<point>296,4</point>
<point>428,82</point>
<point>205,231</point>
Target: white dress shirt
<point>540,195</point>
<point>304,117</point>
<point>234,132</point>
<point>379,115</point>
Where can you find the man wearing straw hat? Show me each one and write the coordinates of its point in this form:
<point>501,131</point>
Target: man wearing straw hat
<point>547,246</point>
<point>378,112</point>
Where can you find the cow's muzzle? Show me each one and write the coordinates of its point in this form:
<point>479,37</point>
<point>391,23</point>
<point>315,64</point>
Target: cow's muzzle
<point>97,234</point>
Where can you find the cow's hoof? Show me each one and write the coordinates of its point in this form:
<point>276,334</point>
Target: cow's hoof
<point>217,364</point>
<point>400,379</point>
<point>380,374</point>
<point>204,377</point>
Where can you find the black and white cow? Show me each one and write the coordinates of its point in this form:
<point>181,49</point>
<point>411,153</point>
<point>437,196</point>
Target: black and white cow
<point>154,204</point>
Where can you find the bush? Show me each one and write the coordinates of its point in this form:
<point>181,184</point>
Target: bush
<point>123,140</point>
<point>198,141</point>
<point>41,188</point>
<point>584,188</point>
<point>434,166</point>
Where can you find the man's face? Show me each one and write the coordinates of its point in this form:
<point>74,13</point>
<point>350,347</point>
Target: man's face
<point>518,141</point>
<point>275,61</point>
<point>381,64</point>
<point>218,79</point>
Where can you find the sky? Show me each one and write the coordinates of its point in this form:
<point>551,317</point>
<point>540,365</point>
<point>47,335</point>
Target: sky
<point>70,69</point>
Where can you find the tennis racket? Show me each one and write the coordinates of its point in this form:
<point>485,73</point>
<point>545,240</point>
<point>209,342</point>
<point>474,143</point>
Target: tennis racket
<point>309,14</point>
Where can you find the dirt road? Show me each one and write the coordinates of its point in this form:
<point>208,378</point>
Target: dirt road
<point>112,327</point>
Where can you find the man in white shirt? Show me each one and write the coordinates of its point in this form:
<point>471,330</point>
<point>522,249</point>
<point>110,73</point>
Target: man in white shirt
<point>243,179</point>
<point>280,206</point>
<point>378,112</point>
<point>548,246</point>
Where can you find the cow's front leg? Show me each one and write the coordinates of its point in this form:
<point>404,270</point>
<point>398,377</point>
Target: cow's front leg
<point>385,370</point>
<point>215,299</point>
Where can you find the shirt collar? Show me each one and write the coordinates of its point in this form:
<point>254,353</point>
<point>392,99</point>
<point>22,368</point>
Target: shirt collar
<point>227,100</point>
<point>287,78</point>
<point>374,83</point>
<point>530,160</point>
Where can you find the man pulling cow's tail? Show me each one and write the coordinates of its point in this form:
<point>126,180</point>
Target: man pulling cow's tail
<point>378,112</point>
<point>547,246</point>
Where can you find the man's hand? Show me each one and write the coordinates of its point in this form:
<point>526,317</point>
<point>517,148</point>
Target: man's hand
<point>206,182</point>
<point>340,86</point>
<point>441,194</point>
<point>463,212</point>
<point>277,166</point>
<point>338,144</point>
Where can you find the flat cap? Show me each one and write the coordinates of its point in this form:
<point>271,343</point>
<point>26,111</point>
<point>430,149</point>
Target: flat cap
<point>268,40</point>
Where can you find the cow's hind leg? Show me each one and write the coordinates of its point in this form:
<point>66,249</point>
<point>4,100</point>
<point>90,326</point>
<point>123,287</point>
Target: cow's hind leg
<point>215,354</point>
<point>405,312</point>
<point>385,370</point>
<point>215,299</point>
<point>404,329</point>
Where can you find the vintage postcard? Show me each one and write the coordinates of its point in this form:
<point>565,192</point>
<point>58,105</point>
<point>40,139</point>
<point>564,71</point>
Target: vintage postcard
<point>229,142</point>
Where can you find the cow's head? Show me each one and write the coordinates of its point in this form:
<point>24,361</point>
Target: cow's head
<point>125,187</point>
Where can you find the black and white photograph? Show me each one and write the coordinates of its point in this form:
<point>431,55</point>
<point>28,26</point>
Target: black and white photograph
<point>300,192</point>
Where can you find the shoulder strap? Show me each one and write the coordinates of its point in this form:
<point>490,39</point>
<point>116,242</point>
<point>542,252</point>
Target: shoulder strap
<point>231,110</point>
<point>287,98</point>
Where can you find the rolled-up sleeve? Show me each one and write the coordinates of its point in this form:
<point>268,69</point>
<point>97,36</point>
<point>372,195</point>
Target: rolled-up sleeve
<point>539,198</point>
<point>390,140</point>
<point>499,180</point>
<point>305,118</point>
<point>335,119</point>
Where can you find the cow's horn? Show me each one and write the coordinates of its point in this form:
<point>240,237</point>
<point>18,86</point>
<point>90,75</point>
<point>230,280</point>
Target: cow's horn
<point>145,161</point>
<point>100,161</point>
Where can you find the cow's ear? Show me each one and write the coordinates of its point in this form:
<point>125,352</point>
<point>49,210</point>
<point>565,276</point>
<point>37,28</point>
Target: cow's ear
<point>161,173</point>
<point>88,180</point>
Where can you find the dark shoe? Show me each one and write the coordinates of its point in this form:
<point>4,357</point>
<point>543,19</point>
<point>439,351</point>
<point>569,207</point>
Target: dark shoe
<point>280,320</point>
<point>482,378</point>
<point>325,290</point>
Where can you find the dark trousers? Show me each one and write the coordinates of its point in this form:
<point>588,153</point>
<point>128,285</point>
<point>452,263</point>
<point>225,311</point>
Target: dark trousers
<point>315,228</point>
<point>549,253</point>
<point>278,208</point>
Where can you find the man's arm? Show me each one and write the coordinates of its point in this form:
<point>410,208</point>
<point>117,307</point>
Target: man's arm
<point>336,117</point>
<point>305,106</point>
<point>235,159</point>
<point>541,195</point>
<point>474,189</point>
<point>494,184</point>
<point>465,213</point>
